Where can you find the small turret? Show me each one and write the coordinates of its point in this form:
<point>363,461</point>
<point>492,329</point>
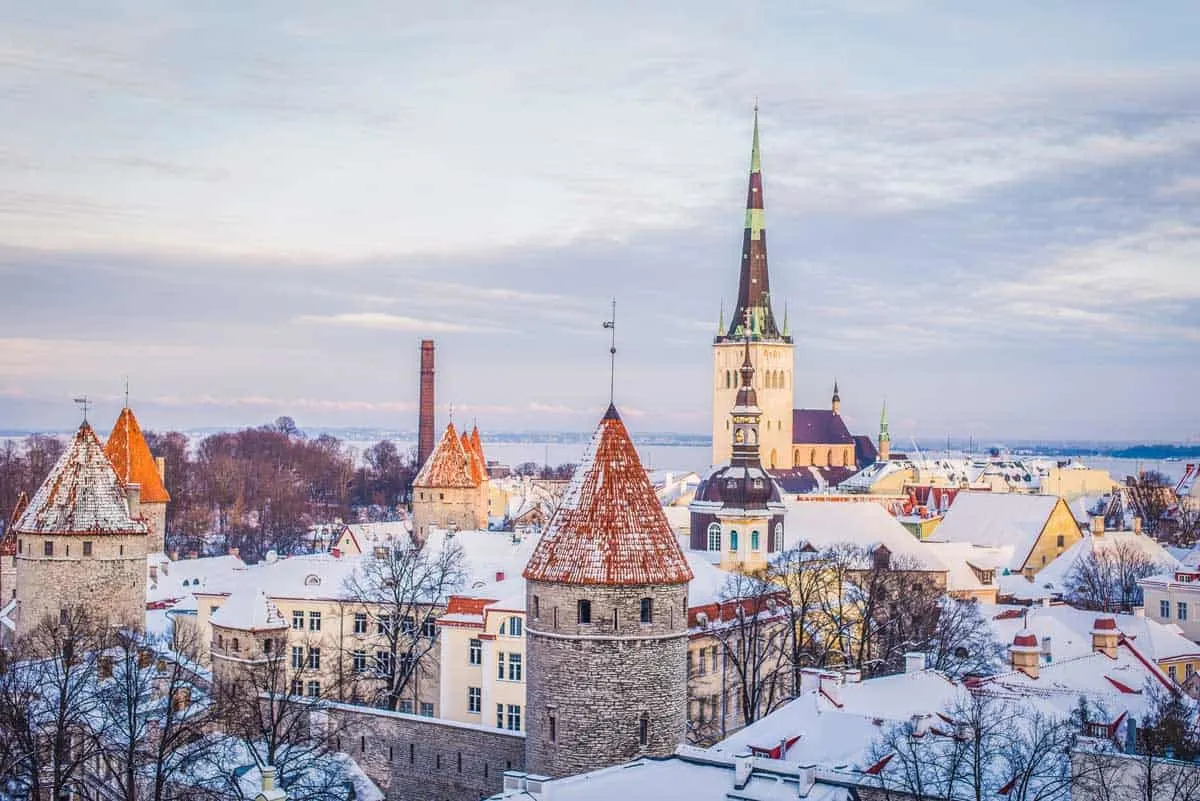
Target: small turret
<point>837,399</point>
<point>885,438</point>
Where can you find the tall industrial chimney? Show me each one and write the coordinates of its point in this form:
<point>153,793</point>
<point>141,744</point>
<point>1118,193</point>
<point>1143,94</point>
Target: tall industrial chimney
<point>425,420</point>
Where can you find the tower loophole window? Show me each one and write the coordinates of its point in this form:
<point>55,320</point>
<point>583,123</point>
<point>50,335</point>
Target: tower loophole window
<point>585,611</point>
<point>647,610</point>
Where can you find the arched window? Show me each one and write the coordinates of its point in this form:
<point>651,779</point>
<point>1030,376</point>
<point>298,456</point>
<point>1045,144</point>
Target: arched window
<point>714,536</point>
<point>733,541</point>
<point>779,536</point>
<point>236,645</point>
<point>754,542</point>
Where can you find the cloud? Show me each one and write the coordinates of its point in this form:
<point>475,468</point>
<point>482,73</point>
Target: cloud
<point>384,321</point>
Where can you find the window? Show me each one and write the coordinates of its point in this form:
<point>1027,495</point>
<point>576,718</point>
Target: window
<point>733,543</point>
<point>426,709</point>
<point>385,662</point>
<point>268,645</point>
<point>1164,610</point>
<point>297,657</point>
<point>360,622</point>
<point>1061,541</point>
<point>585,611</point>
<point>647,610</point>
<point>1189,669</point>
<point>778,537</point>
<point>499,716</point>
<point>359,661</point>
<point>237,646</point>
<point>536,608</point>
<point>754,540</point>
<point>701,664</point>
<point>514,627</point>
<point>474,700</point>
<point>1182,606</point>
<point>384,624</point>
<point>408,625</point>
<point>298,620</point>
<point>554,727</point>
<point>713,652</point>
<point>314,689</point>
<point>475,652</point>
<point>1171,673</point>
<point>643,730</point>
<point>691,668</point>
<point>297,687</point>
<point>48,548</point>
<point>406,707</point>
<point>514,667</point>
<point>87,547</point>
<point>514,717</point>
<point>714,536</point>
<point>314,658</point>
<point>500,665</point>
<point>314,621</point>
<point>429,627</point>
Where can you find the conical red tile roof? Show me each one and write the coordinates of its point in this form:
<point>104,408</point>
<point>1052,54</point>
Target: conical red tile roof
<point>448,465</point>
<point>474,463</point>
<point>610,528</point>
<point>8,545</point>
<point>131,458</point>
<point>82,495</point>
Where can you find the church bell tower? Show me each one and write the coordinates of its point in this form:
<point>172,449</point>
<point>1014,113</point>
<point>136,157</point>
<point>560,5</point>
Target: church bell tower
<point>771,349</point>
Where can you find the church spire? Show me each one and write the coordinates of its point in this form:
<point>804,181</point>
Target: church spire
<point>885,438</point>
<point>754,291</point>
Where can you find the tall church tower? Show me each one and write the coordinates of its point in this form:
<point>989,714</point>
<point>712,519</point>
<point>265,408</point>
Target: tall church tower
<point>770,347</point>
<point>606,619</point>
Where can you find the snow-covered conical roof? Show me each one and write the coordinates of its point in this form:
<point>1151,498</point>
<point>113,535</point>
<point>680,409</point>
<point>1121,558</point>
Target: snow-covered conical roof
<point>82,495</point>
<point>448,466</point>
<point>610,528</point>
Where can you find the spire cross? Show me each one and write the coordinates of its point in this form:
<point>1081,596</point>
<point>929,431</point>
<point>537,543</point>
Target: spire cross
<point>83,402</point>
<point>611,325</point>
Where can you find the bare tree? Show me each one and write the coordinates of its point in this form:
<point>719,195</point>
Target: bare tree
<point>1106,579</point>
<point>802,573</point>
<point>1037,759</point>
<point>1151,494</point>
<point>397,590</point>
<point>963,643</point>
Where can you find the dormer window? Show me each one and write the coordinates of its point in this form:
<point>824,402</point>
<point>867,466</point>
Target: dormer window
<point>312,580</point>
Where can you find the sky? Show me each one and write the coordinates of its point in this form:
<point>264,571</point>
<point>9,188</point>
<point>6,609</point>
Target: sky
<point>986,213</point>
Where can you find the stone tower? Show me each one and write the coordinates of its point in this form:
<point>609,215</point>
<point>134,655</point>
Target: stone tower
<point>606,612</point>
<point>82,542</point>
<point>738,509</point>
<point>248,632</point>
<point>770,348</point>
<point>8,552</point>
<point>131,458</point>
<point>451,491</point>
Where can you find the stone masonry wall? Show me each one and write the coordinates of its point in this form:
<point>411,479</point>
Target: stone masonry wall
<point>464,507</point>
<point>597,681</point>
<point>427,759</point>
<point>155,515</point>
<point>111,581</point>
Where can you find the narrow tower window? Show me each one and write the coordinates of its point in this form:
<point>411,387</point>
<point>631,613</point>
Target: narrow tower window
<point>585,611</point>
<point>647,610</point>
<point>644,730</point>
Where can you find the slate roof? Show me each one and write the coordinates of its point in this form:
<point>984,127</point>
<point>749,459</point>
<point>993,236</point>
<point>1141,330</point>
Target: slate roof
<point>865,451</point>
<point>819,426</point>
<point>131,458</point>
<point>81,495</point>
<point>448,466</point>
<point>805,480</point>
<point>609,528</point>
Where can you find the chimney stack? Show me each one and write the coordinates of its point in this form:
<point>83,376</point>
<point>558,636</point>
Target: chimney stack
<point>1105,636</point>
<point>1025,654</point>
<point>133,499</point>
<point>160,464</point>
<point>425,403</point>
<point>1098,526</point>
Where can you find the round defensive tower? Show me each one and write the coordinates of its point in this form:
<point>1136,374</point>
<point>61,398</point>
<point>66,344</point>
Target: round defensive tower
<point>606,611</point>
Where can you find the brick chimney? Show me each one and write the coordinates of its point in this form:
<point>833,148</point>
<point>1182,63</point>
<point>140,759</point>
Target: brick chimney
<point>1105,637</point>
<point>1025,653</point>
<point>425,405</point>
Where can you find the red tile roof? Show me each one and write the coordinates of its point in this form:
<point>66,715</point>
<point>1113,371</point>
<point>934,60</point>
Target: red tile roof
<point>131,458</point>
<point>610,528</point>
<point>448,466</point>
<point>81,495</point>
<point>8,545</point>
<point>474,461</point>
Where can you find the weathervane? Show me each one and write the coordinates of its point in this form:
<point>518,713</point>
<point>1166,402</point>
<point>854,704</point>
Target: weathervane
<point>83,403</point>
<point>611,325</point>
<point>126,392</point>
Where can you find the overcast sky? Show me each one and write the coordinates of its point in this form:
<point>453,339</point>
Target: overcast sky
<point>992,217</point>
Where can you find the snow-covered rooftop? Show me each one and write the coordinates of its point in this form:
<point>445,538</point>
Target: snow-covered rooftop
<point>1001,519</point>
<point>865,525</point>
<point>249,610</point>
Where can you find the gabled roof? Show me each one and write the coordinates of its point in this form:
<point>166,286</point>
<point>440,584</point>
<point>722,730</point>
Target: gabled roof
<point>131,458</point>
<point>82,495</point>
<point>610,528</point>
<point>819,427</point>
<point>997,519</point>
<point>448,466</point>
